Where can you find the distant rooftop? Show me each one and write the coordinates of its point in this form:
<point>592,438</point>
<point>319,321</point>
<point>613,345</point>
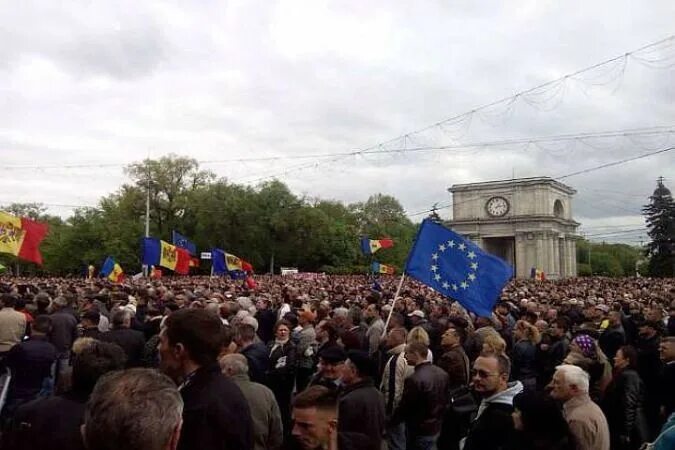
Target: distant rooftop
<point>512,182</point>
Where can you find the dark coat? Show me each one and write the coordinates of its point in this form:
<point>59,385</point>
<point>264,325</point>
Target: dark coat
<point>668,383</point>
<point>131,341</point>
<point>258,361</point>
<point>493,430</point>
<point>424,400</point>
<point>49,424</point>
<point>31,362</point>
<point>361,412</point>
<point>611,340</point>
<point>64,331</point>
<point>266,319</point>
<point>216,415</point>
<point>93,333</point>
<point>456,365</point>
<point>281,378</point>
<point>524,361</point>
<point>623,408</point>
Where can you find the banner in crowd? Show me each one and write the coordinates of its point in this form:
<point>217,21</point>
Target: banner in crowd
<point>21,237</point>
<point>370,246</point>
<point>112,270</point>
<point>181,241</point>
<point>382,268</point>
<point>457,268</point>
<point>160,253</point>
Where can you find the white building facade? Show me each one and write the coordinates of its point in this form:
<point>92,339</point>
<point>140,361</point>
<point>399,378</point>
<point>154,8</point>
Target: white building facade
<point>527,222</point>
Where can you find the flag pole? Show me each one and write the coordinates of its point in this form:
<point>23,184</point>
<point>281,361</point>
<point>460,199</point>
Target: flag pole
<point>398,291</point>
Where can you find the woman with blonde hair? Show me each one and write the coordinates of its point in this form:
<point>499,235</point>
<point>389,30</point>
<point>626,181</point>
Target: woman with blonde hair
<point>493,344</point>
<point>526,337</point>
<point>419,334</point>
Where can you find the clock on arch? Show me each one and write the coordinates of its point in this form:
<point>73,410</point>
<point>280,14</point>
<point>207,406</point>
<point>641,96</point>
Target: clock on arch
<point>497,206</point>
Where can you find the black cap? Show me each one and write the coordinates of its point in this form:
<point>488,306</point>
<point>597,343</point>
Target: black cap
<point>361,360</point>
<point>92,315</point>
<point>333,354</point>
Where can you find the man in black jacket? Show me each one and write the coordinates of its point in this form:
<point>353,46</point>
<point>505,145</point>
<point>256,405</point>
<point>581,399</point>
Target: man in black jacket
<point>216,415</point>
<point>256,353</point>
<point>131,341</point>
<point>613,337</point>
<point>361,405</point>
<point>492,428</point>
<point>667,353</point>
<point>424,400</point>
<point>54,422</point>
<point>31,364</point>
<point>649,368</point>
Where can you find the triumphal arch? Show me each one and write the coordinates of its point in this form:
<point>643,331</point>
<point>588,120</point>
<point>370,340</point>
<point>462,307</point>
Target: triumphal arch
<point>525,221</point>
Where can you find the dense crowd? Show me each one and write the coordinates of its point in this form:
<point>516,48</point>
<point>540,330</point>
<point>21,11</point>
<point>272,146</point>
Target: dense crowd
<point>332,362</point>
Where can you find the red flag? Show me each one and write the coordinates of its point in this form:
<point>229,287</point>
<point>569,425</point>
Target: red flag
<point>182,261</point>
<point>22,237</point>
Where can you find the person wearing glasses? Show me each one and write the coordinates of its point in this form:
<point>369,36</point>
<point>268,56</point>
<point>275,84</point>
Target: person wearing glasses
<point>492,428</point>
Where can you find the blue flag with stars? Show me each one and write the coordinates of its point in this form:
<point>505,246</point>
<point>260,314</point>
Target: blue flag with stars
<point>457,268</point>
<point>181,241</point>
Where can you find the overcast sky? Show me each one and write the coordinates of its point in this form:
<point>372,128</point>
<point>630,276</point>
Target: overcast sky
<point>84,83</point>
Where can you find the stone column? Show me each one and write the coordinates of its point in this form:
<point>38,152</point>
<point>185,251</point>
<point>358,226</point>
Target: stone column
<point>573,257</point>
<point>550,245</point>
<point>565,258</point>
<point>522,271</point>
<point>556,255</point>
<point>539,262</point>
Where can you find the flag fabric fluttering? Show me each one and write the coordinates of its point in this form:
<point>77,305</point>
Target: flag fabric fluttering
<point>223,262</point>
<point>112,270</point>
<point>181,241</point>
<point>21,237</point>
<point>457,268</point>
<point>159,253</point>
<point>370,246</point>
<point>382,268</point>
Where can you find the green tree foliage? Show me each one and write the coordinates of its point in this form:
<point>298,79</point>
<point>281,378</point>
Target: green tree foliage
<point>613,260</point>
<point>660,217</point>
<point>260,224</point>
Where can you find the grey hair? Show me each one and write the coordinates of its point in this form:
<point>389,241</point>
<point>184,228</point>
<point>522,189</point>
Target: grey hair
<point>136,409</point>
<point>234,364</point>
<point>575,376</point>
<point>120,316</point>
<point>340,312</point>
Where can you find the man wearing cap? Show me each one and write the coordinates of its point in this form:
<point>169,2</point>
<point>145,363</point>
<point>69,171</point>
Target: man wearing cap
<point>361,405</point>
<point>649,368</point>
<point>329,368</point>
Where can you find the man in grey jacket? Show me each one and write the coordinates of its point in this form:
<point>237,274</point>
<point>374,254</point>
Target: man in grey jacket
<point>268,431</point>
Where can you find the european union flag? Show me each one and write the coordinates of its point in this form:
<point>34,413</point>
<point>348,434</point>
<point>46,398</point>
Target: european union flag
<point>181,241</point>
<point>457,268</point>
<point>218,261</point>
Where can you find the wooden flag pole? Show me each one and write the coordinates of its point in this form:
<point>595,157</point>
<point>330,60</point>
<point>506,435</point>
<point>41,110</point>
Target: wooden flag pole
<point>393,304</point>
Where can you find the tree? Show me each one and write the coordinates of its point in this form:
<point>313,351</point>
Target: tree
<point>169,180</point>
<point>660,217</point>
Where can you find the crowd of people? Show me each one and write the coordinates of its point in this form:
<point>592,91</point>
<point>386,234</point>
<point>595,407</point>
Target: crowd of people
<point>333,362</point>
